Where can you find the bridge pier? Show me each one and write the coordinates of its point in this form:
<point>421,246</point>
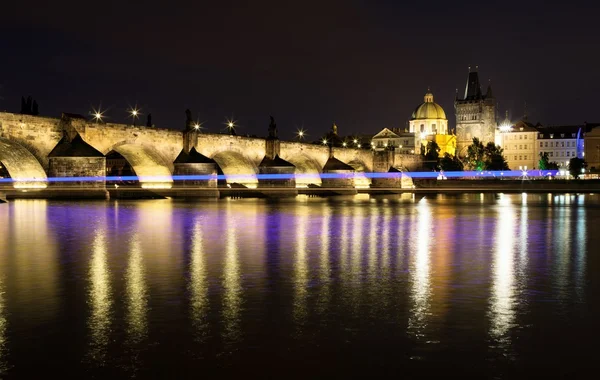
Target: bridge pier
<point>194,164</point>
<point>338,177</point>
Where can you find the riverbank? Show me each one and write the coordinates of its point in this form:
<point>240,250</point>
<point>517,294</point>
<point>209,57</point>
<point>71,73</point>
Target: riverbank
<point>422,186</point>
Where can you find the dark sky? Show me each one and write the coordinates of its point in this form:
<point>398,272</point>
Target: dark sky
<point>364,64</point>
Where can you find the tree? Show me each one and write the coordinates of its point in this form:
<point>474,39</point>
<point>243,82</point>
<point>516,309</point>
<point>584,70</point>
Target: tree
<point>35,108</point>
<point>432,154</point>
<point>494,157</point>
<point>576,166</point>
<point>451,163</point>
<point>543,162</point>
<point>475,154</point>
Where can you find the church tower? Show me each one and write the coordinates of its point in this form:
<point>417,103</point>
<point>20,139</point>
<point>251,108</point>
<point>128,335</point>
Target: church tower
<point>475,114</point>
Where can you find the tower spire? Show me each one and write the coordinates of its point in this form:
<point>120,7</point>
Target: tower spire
<point>525,111</point>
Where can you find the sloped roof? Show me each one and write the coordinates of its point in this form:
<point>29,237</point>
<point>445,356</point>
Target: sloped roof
<point>276,161</point>
<point>74,148</point>
<point>386,134</point>
<point>524,126</point>
<point>181,158</point>
<point>193,157</point>
<point>335,164</point>
<point>557,131</point>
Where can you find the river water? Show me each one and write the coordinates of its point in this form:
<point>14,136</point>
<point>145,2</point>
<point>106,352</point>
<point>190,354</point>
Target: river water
<point>494,286</point>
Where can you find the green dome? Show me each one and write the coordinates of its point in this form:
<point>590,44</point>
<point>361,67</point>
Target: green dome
<point>429,109</point>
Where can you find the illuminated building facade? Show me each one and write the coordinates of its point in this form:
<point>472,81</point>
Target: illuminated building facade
<point>475,115</point>
<point>429,123</point>
<point>592,149</point>
<point>519,144</point>
<point>561,143</point>
<point>402,142</point>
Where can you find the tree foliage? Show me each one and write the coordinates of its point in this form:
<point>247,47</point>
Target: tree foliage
<point>475,155</point>
<point>451,163</point>
<point>576,165</point>
<point>488,157</point>
<point>494,157</point>
<point>432,155</point>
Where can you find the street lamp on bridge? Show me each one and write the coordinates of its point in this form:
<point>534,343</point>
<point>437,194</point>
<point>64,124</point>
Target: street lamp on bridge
<point>134,112</point>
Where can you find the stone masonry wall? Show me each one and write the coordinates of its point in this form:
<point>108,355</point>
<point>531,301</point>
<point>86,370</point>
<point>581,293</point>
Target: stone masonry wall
<point>78,167</point>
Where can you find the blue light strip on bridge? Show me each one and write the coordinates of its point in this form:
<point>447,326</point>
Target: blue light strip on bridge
<point>233,177</point>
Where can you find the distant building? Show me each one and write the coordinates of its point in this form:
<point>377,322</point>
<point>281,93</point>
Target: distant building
<point>401,141</point>
<point>591,151</point>
<point>429,123</point>
<point>561,143</point>
<point>519,144</point>
<point>475,115</point>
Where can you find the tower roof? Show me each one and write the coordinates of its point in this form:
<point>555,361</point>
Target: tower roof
<point>473,88</point>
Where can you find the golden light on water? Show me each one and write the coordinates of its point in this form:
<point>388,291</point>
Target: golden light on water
<point>3,325</point>
<point>137,302</point>
<point>420,272</point>
<point>301,269</point>
<point>232,297</point>
<point>324,267</point>
<point>502,301</point>
<point>198,281</point>
<point>99,300</point>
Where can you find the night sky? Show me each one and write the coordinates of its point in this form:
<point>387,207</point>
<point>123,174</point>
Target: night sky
<point>364,65</point>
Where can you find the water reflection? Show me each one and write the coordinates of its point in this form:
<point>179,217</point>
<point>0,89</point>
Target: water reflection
<point>137,307</point>
<point>324,267</point>
<point>420,272</point>
<point>198,283</point>
<point>232,299</point>
<point>3,350</point>
<point>99,301</point>
<point>301,269</point>
<point>502,302</point>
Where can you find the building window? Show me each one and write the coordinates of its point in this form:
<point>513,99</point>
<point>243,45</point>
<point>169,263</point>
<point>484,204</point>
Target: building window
<point>525,157</point>
<point>422,128</point>
<point>568,154</point>
<point>545,144</point>
<point>551,135</point>
<point>551,154</point>
<point>541,135</point>
<point>515,158</point>
<point>520,137</point>
<point>520,146</point>
<point>525,137</point>
<point>562,135</point>
<point>520,158</point>
<point>573,135</point>
<point>541,144</point>
<point>562,144</point>
<point>515,146</point>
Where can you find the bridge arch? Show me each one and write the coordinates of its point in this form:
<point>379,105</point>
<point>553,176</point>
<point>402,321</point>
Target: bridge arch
<point>237,168</point>
<point>360,180</point>
<point>308,170</point>
<point>147,163</point>
<point>21,165</point>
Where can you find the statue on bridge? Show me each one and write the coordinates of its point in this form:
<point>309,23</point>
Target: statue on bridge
<point>272,129</point>
<point>149,120</point>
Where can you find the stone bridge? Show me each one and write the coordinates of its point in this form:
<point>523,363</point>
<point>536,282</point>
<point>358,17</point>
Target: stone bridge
<point>26,141</point>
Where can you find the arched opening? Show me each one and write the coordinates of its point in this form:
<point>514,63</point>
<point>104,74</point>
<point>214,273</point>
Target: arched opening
<point>360,180</point>
<point>143,162</point>
<point>237,168</point>
<point>308,170</point>
<point>21,165</point>
<point>118,166</point>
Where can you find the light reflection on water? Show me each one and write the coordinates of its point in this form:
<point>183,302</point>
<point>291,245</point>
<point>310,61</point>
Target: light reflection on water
<point>420,272</point>
<point>198,283</point>
<point>394,279</point>
<point>502,300</point>
<point>232,288</point>
<point>100,301</point>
